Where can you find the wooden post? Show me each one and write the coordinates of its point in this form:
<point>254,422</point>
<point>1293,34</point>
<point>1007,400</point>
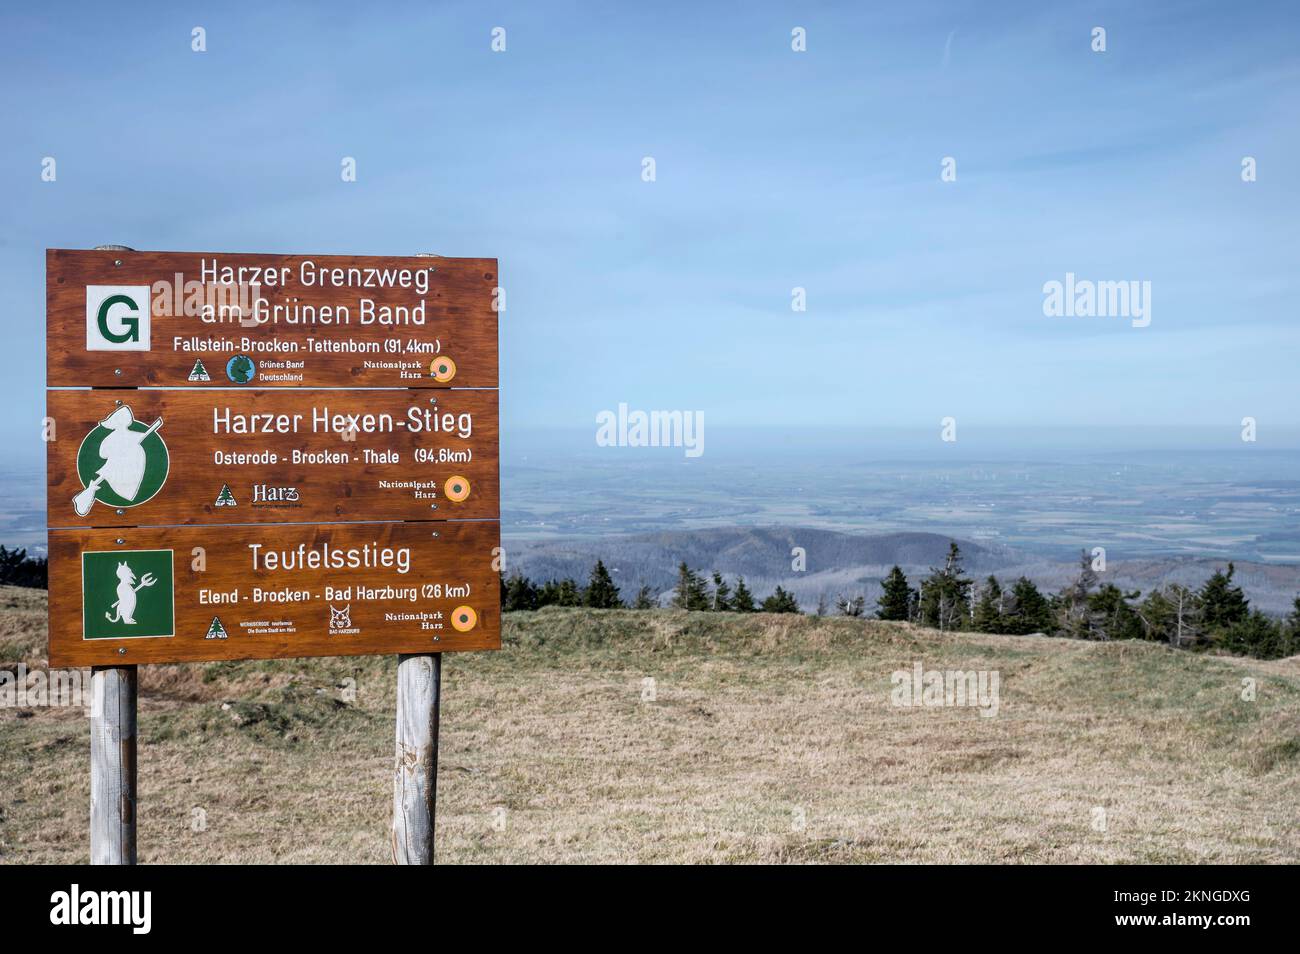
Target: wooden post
<point>415,780</point>
<point>415,776</point>
<point>112,752</point>
<point>112,766</point>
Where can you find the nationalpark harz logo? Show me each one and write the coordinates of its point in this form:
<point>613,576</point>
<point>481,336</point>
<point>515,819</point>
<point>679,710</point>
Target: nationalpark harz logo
<point>117,318</point>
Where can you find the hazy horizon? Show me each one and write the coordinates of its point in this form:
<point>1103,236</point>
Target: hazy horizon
<point>1064,493</point>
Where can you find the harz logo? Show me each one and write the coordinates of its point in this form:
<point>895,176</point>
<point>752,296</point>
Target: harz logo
<point>266,495</point>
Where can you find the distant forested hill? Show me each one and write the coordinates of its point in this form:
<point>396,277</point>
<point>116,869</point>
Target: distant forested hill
<point>847,564</point>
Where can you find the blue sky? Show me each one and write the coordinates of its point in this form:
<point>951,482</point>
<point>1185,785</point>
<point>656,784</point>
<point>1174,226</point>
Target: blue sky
<point>775,169</point>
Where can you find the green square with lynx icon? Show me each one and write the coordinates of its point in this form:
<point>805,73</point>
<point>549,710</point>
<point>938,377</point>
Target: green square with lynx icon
<point>126,594</point>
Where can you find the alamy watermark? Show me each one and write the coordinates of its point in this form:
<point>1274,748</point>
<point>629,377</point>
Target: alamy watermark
<point>1083,298</point>
<point>946,687</point>
<point>628,428</point>
<point>23,688</point>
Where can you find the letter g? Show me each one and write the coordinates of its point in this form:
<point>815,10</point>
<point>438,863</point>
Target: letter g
<point>131,321</point>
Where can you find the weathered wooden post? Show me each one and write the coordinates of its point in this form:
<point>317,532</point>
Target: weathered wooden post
<point>415,772</point>
<point>415,783</point>
<point>112,766</point>
<point>112,752</point>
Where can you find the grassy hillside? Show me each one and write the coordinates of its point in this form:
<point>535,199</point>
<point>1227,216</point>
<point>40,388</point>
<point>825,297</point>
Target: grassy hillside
<point>550,753</point>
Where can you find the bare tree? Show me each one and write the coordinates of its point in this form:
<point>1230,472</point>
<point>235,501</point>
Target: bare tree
<point>851,607</point>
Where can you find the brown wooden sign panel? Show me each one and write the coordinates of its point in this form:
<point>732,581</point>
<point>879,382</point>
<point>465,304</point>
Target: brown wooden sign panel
<point>213,319</point>
<point>157,458</point>
<point>127,596</point>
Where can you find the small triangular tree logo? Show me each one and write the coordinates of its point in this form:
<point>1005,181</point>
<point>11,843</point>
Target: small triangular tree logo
<point>199,372</point>
<point>216,630</point>
<point>225,498</point>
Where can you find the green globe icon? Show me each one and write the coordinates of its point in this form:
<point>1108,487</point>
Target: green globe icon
<point>241,369</point>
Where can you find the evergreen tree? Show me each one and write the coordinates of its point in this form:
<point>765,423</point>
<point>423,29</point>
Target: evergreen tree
<point>896,599</point>
<point>821,603</point>
<point>644,599</point>
<point>520,594</point>
<point>1260,636</point>
<point>1111,616</point>
<point>721,593</point>
<point>691,592</point>
<point>988,611</point>
<point>780,602</point>
<point>18,569</point>
<point>1291,631</point>
<point>569,593</point>
<point>559,593</point>
<point>1029,611</point>
<point>1222,604</point>
<point>743,600</point>
<point>1255,635</point>
<point>601,592</point>
<point>945,594</point>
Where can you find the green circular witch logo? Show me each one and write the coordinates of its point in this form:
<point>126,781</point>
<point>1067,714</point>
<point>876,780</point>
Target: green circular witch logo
<point>121,463</point>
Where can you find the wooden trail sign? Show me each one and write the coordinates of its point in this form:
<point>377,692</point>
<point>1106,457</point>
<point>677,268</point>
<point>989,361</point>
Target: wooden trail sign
<point>187,594</point>
<point>154,458</point>
<point>200,511</point>
<point>210,319</point>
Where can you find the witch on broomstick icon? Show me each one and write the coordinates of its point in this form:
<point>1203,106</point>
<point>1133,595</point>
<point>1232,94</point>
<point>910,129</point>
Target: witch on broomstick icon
<point>124,458</point>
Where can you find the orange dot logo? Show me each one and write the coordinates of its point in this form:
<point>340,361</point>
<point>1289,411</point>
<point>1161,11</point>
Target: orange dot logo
<point>443,369</point>
<point>456,489</point>
<point>463,619</point>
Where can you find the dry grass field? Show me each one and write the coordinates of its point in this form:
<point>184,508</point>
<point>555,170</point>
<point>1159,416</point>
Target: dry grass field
<point>767,739</point>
